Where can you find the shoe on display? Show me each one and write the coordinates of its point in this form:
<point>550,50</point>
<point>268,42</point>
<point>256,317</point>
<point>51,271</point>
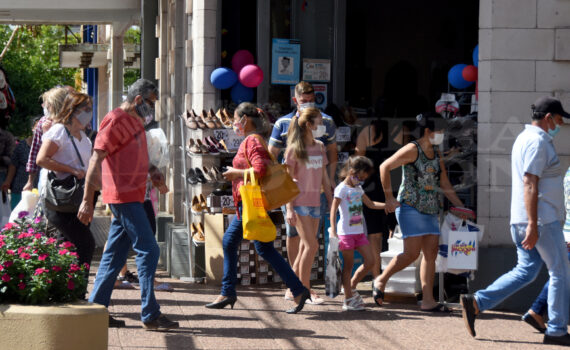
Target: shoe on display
<point>193,147</point>
<point>199,121</point>
<point>213,117</point>
<point>191,177</point>
<point>196,208</point>
<point>161,323</point>
<point>352,304</point>
<point>200,175</point>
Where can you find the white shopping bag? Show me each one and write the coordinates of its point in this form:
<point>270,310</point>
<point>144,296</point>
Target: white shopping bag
<point>463,249</point>
<point>452,223</point>
<point>333,272</point>
<point>27,204</point>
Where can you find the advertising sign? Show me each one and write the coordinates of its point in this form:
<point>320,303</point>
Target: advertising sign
<point>285,61</point>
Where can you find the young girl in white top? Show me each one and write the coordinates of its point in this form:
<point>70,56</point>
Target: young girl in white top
<point>349,196</point>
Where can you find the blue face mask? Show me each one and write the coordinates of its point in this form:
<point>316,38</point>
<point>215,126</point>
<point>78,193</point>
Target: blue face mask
<point>553,132</point>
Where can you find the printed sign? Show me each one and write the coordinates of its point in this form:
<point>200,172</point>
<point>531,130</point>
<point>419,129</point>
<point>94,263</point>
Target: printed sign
<point>227,201</point>
<point>285,63</point>
<point>463,249</point>
<point>320,95</point>
<point>343,134</point>
<point>316,69</point>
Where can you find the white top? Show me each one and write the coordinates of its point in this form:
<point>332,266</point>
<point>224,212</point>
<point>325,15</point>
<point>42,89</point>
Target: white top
<point>66,153</point>
<point>534,153</point>
<point>351,217</point>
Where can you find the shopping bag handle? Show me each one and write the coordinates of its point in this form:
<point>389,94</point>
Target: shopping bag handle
<point>251,176</point>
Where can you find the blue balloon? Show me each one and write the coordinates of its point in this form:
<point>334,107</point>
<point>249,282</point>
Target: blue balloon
<point>241,93</point>
<point>223,78</point>
<point>476,56</point>
<point>455,77</point>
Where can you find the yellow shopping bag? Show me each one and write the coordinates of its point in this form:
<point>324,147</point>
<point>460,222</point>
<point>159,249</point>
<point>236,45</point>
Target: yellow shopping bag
<point>257,226</point>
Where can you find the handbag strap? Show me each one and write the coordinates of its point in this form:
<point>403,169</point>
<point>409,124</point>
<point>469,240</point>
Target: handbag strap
<point>251,173</point>
<point>264,144</point>
<point>75,147</point>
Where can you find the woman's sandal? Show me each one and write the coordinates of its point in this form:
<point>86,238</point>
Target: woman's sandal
<point>437,308</point>
<point>377,294</point>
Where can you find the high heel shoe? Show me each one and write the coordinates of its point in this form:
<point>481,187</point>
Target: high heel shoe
<point>203,203</point>
<point>200,175</point>
<point>196,207</point>
<point>197,234</point>
<point>222,304</point>
<point>201,146</point>
<point>190,121</point>
<point>304,296</point>
<point>212,117</point>
<point>193,147</point>
<point>206,120</point>
<point>198,120</point>
<point>227,119</point>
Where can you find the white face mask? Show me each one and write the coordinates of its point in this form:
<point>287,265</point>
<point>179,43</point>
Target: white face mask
<point>437,139</point>
<point>46,112</point>
<point>84,117</point>
<point>306,105</point>
<point>321,129</point>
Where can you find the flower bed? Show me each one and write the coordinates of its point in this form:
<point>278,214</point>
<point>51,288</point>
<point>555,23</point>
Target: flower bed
<point>36,269</point>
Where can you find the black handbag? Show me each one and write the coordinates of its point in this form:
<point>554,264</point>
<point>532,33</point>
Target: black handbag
<point>65,195</point>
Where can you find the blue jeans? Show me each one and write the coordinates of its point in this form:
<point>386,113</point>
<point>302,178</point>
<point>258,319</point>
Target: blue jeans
<point>292,231</point>
<point>549,248</point>
<point>541,303</point>
<point>231,241</point>
<point>129,227</point>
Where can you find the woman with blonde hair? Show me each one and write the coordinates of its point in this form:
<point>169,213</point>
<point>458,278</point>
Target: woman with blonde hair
<point>306,159</point>
<point>65,151</point>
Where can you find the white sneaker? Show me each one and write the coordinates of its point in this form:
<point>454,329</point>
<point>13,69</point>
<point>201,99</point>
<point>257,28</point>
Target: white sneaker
<point>315,299</point>
<point>355,294</point>
<point>352,304</point>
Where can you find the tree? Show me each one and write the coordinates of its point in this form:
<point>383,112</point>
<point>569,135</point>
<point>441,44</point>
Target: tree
<point>132,36</point>
<point>32,66</point>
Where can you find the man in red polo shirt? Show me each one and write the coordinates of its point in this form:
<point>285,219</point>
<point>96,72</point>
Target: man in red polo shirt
<point>119,166</point>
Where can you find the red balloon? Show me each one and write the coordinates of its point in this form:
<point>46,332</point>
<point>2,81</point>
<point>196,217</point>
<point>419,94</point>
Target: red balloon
<point>251,75</point>
<point>470,73</point>
<point>240,59</point>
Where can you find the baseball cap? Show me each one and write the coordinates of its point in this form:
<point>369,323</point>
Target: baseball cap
<point>548,104</point>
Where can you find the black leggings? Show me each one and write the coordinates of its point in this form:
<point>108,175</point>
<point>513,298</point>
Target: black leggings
<point>74,231</point>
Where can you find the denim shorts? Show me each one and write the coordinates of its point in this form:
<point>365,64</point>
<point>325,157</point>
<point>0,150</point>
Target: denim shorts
<point>413,223</point>
<point>314,212</point>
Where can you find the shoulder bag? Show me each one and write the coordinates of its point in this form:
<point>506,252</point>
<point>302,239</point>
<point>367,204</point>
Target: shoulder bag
<point>277,186</point>
<point>65,195</point>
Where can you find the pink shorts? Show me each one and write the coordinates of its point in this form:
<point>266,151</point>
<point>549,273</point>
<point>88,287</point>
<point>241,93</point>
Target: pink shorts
<point>351,242</point>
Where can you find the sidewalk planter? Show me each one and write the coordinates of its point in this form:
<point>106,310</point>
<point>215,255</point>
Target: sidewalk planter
<point>78,325</point>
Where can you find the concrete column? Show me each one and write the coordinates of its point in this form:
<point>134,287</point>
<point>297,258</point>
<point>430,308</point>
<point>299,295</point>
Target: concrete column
<point>263,49</point>
<point>149,42</point>
<point>117,64</point>
<point>161,66</point>
<point>204,24</point>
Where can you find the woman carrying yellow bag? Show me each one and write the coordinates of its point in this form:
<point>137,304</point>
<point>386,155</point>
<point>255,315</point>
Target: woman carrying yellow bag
<point>250,122</point>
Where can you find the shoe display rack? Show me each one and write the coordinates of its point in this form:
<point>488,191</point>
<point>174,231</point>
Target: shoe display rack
<point>209,146</point>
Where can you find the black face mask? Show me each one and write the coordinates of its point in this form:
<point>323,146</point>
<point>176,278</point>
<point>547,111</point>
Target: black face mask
<point>144,110</point>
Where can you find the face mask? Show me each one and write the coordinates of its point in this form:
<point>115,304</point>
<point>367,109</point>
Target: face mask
<point>148,119</point>
<point>46,112</point>
<point>319,132</point>
<point>2,80</point>
<point>553,132</point>
<point>239,127</point>
<point>144,110</point>
<point>437,139</point>
<point>84,117</point>
<point>306,105</point>
<point>356,181</point>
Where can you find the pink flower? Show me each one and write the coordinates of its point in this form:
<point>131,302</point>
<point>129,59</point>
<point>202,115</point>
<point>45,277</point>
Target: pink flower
<point>25,256</point>
<point>2,237</point>
<point>51,240</point>
<point>37,220</point>
<point>21,276</point>
<point>86,265</point>
<point>24,235</point>
<point>48,281</point>
<point>6,277</point>
<point>2,244</point>
<point>8,226</point>
<point>38,235</point>
<point>21,249</point>
<point>8,263</point>
<point>1,267</point>
<point>56,268</point>
<point>23,214</point>
<point>67,244</point>
<point>63,251</point>
<point>10,252</point>
<point>40,271</point>
<point>42,257</point>
<point>70,284</point>
<point>21,285</point>
<point>73,254</point>
<point>73,268</point>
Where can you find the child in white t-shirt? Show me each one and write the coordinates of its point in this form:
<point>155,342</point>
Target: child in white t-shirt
<point>349,196</point>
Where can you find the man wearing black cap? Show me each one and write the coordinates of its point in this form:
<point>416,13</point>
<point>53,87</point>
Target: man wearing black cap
<point>537,216</point>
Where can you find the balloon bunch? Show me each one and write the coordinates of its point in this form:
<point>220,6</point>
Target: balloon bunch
<point>462,75</point>
<point>242,78</point>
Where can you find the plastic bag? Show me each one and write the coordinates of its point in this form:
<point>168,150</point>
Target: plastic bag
<point>454,223</point>
<point>27,204</point>
<point>257,225</point>
<point>157,145</point>
<point>333,272</point>
<point>5,209</point>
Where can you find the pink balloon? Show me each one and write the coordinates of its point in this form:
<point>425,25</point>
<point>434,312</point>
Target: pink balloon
<point>251,75</point>
<point>240,59</point>
<point>470,73</point>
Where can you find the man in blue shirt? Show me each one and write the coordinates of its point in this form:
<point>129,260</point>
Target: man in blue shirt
<point>304,98</point>
<point>537,215</point>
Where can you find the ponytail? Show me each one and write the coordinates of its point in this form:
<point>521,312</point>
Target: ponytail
<point>299,126</point>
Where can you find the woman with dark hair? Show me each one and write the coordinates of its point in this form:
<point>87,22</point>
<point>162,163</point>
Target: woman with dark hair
<point>66,151</point>
<point>251,122</point>
<point>417,206</point>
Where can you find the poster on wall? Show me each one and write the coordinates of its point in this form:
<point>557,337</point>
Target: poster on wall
<point>320,96</point>
<point>316,69</point>
<point>286,61</point>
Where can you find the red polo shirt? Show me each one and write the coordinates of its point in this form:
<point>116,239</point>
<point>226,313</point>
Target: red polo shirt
<point>125,169</point>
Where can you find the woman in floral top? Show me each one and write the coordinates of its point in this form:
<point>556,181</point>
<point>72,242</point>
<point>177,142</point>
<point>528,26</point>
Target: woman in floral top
<point>417,207</point>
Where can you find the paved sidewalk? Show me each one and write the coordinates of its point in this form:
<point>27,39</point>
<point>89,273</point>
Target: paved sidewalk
<point>258,322</point>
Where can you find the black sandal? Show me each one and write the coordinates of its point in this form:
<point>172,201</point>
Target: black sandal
<point>377,294</point>
<point>437,308</point>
